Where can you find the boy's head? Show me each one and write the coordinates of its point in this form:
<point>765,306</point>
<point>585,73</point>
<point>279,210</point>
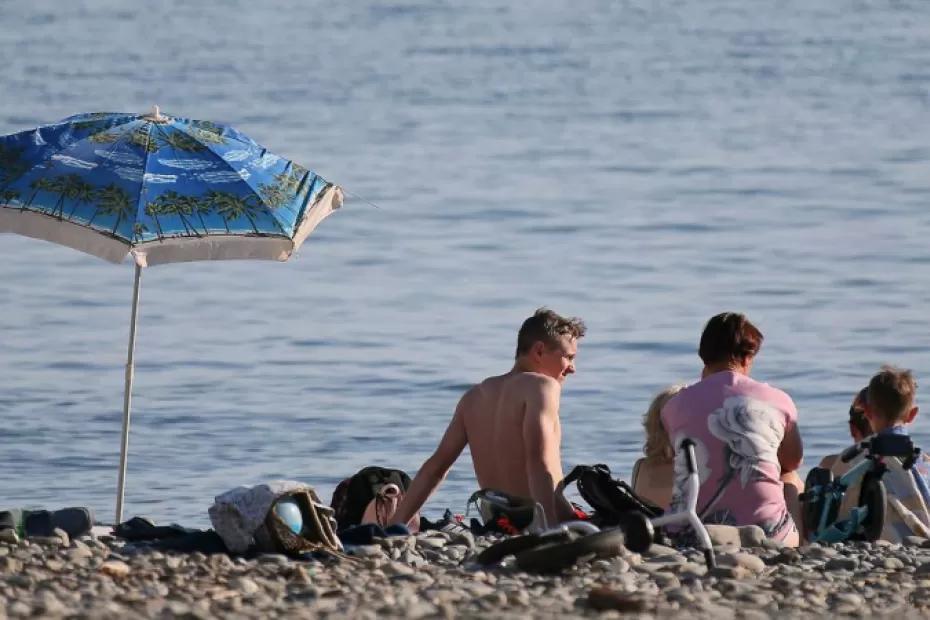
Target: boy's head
<point>890,398</point>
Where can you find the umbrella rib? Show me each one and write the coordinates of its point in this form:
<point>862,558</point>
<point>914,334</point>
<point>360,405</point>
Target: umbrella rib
<point>140,204</point>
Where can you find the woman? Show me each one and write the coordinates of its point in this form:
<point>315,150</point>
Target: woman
<point>746,436</point>
<point>654,474</point>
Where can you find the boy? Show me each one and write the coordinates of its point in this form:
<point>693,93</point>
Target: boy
<point>889,407</point>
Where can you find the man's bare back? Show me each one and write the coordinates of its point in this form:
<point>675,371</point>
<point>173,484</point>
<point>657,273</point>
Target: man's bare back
<point>511,423</point>
<point>494,414</point>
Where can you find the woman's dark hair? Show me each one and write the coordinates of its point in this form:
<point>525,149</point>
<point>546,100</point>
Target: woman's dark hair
<point>857,419</point>
<point>729,337</point>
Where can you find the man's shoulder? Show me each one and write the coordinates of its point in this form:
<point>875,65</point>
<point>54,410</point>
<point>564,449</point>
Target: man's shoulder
<point>534,382</point>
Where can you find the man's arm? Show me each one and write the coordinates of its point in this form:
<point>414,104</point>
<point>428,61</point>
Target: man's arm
<point>541,439</point>
<point>434,470</point>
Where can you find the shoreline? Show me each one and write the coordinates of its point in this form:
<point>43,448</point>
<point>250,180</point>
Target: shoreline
<point>423,576</point>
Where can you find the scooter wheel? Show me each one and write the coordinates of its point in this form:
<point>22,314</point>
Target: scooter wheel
<point>814,499</point>
<point>873,496</point>
<point>637,530</point>
<point>512,546</point>
<point>555,557</point>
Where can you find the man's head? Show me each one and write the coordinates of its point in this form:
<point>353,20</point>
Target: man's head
<point>890,398</point>
<point>730,341</point>
<point>547,343</point>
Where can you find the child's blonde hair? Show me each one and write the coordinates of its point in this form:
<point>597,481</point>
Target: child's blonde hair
<point>658,445</point>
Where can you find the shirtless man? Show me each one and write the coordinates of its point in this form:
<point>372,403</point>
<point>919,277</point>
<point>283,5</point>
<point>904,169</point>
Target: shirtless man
<point>511,423</point>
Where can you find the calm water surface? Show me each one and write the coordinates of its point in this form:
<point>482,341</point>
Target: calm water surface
<point>641,164</point>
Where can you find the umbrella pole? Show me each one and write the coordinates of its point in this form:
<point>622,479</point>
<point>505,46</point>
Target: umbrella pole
<point>127,397</point>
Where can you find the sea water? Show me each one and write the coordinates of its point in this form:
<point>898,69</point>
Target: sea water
<point>643,165</point>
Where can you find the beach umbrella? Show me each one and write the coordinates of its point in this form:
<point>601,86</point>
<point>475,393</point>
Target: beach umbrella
<point>160,189</point>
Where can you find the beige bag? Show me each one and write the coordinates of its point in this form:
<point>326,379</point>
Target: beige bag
<point>318,532</point>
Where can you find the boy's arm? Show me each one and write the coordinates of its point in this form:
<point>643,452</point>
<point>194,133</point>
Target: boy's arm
<point>434,470</point>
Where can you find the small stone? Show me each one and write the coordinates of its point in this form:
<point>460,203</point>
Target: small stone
<point>751,536</point>
<point>724,535</point>
<point>79,553</point>
<point>787,555</point>
<point>748,561</point>
<point>19,608</point>
<point>46,541</point>
<point>666,581</point>
<point>10,565</point>
<point>365,551</point>
<point>394,569</point>
<point>848,598</point>
<point>49,604</point>
<point>729,572</point>
<point>63,535</point>
<point>54,565</point>
<point>692,570</point>
<point>8,536</point>
<point>660,550</point>
<point>923,569</point>
<point>818,552</point>
<point>221,561</point>
<point>606,599</point>
<point>265,558</point>
<point>244,585</point>
<point>893,564</point>
<point>915,541</point>
<point>842,564</point>
<point>431,542</point>
<point>114,568</point>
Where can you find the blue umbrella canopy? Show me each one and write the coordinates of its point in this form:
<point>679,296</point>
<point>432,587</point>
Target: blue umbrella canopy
<point>164,188</point>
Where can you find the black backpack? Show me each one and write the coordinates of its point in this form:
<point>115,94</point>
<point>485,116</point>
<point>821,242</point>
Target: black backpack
<point>609,497</point>
<point>353,495</point>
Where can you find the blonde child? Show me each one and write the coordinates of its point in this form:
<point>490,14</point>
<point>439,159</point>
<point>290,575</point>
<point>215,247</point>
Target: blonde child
<point>654,474</point>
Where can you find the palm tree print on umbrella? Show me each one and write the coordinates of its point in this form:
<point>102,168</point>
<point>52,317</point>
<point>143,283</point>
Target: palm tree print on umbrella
<point>12,167</point>
<point>152,137</point>
<point>289,187</point>
<point>68,187</point>
<point>139,137</point>
<point>184,207</point>
<point>232,207</point>
<point>113,200</point>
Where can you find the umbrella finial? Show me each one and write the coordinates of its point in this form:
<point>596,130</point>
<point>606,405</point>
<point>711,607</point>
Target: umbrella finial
<point>155,116</point>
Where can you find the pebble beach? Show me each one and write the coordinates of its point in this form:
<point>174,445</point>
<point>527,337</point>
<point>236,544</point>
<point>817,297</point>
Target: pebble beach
<point>433,575</point>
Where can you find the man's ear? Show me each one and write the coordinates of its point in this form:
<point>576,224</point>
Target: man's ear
<point>539,347</point>
<point>909,417</point>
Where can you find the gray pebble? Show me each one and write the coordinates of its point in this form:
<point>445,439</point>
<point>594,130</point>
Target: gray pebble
<point>842,564</point>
